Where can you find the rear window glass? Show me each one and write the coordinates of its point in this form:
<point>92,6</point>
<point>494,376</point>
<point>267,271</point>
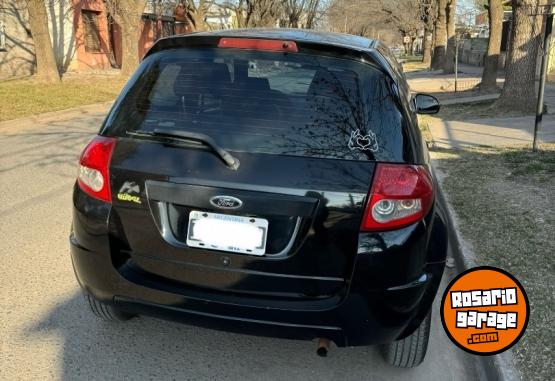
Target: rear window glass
<point>266,102</point>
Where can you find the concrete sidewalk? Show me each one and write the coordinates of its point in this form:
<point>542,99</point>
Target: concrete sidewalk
<point>443,85</point>
<point>81,112</point>
<point>475,132</point>
<point>490,132</point>
<point>427,81</point>
<point>474,99</point>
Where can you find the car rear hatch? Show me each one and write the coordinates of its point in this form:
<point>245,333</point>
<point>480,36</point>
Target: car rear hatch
<point>313,220</point>
<point>307,131</point>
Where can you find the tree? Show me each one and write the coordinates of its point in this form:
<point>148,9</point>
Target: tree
<point>256,13</point>
<point>440,36</point>
<point>489,75</point>
<point>388,20</point>
<point>47,70</point>
<point>263,13</point>
<point>300,13</point>
<point>127,14</point>
<point>356,17</point>
<point>449,61</point>
<point>404,15</point>
<point>519,90</point>
<point>195,14</point>
<point>428,13</point>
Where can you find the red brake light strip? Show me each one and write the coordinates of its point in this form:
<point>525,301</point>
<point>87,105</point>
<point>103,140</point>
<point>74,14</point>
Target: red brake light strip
<point>258,44</point>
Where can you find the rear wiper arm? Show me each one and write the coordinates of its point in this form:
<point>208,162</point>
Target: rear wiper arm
<point>231,161</point>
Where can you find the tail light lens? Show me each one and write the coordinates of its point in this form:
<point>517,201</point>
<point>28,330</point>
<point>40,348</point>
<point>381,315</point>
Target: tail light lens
<point>401,195</point>
<point>94,176</point>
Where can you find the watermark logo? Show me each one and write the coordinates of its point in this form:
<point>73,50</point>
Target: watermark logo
<point>485,310</point>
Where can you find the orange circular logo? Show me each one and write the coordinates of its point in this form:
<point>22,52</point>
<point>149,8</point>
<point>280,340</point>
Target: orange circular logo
<point>485,310</point>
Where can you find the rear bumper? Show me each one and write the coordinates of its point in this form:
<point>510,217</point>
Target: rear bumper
<point>362,317</point>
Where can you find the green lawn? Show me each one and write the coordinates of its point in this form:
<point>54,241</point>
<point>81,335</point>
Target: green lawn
<point>25,97</point>
<point>504,198</point>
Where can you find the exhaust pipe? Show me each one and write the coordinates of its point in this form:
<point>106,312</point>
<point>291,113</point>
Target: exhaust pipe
<point>323,347</point>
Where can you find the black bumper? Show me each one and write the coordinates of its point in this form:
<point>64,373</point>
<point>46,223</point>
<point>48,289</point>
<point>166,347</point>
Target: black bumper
<point>361,317</point>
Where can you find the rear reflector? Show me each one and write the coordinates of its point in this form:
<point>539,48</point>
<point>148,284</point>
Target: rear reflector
<point>258,44</point>
<point>94,164</point>
<point>401,195</point>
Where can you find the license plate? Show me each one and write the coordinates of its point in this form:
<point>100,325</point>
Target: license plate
<point>225,232</point>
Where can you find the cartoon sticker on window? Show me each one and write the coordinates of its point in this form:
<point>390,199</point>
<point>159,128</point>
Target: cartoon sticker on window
<point>363,142</point>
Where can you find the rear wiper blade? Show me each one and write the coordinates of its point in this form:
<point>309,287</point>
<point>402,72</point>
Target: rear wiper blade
<point>231,161</point>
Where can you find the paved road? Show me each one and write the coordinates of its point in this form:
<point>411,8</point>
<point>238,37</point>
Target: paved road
<point>47,333</point>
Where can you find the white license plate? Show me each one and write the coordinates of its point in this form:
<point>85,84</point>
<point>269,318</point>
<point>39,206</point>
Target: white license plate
<point>225,232</point>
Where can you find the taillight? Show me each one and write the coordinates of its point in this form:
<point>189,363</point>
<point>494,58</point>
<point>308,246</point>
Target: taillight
<point>94,176</point>
<point>401,195</point>
<point>258,44</point>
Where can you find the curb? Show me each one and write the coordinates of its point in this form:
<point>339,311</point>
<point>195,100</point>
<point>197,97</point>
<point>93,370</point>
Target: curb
<point>52,116</point>
<point>464,100</point>
<point>499,367</point>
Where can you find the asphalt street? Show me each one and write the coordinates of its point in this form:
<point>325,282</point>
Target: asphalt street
<point>46,331</point>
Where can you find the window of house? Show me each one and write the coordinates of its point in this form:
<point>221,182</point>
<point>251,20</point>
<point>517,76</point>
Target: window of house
<point>92,32</point>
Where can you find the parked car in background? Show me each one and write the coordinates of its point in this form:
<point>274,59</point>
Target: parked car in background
<point>272,182</point>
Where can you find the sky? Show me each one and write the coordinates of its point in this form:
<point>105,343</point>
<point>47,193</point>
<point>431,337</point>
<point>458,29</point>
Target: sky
<point>466,6</point>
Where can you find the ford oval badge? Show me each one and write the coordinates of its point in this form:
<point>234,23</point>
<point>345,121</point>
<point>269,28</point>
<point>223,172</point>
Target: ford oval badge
<point>226,202</point>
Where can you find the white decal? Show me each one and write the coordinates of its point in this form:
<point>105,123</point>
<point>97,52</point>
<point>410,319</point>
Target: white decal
<point>363,142</point>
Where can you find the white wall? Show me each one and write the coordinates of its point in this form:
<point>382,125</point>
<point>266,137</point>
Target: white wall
<point>62,34</point>
<point>19,57</point>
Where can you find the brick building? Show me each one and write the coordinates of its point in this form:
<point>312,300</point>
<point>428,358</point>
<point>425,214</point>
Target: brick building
<point>84,36</point>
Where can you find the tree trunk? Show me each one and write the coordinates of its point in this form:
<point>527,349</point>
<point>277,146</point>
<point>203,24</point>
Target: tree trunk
<point>129,47</point>
<point>128,16</point>
<point>440,36</point>
<point>197,17</point>
<point>519,89</point>
<point>449,62</point>
<point>489,75</point>
<point>432,46</point>
<point>47,70</point>
<point>427,47</point>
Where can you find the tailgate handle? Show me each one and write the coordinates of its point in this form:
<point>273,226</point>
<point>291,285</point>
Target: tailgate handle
<point>198,196</point>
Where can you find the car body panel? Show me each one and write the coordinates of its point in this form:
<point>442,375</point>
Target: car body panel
<point>320,277</point>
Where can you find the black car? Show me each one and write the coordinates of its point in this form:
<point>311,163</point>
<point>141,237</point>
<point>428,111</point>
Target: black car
<point>267,181</point>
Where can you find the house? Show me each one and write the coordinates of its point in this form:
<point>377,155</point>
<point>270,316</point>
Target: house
<point>83,33</point>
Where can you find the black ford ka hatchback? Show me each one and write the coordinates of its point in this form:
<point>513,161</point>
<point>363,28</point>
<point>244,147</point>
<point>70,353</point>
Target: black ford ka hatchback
<point>266,181</point>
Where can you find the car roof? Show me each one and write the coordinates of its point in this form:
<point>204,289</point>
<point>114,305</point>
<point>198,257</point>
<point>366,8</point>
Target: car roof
<point>304,35</point>
<point>335,41</point>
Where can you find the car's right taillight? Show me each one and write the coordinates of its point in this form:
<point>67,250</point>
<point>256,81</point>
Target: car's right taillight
<point>401,194</point>
<point>93,177</point>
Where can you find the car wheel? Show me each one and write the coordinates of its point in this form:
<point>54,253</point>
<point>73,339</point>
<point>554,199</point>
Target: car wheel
<point>106,311</point>
<point>410,351</point>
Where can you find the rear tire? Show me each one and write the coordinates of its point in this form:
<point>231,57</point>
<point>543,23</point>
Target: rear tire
<point>105,311</point>
<point>410,351</point>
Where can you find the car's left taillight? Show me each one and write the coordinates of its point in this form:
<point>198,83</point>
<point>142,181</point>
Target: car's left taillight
<point>94,168</point>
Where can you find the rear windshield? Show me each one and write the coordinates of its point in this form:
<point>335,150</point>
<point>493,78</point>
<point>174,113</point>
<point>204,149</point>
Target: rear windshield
<point>266,102</point>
